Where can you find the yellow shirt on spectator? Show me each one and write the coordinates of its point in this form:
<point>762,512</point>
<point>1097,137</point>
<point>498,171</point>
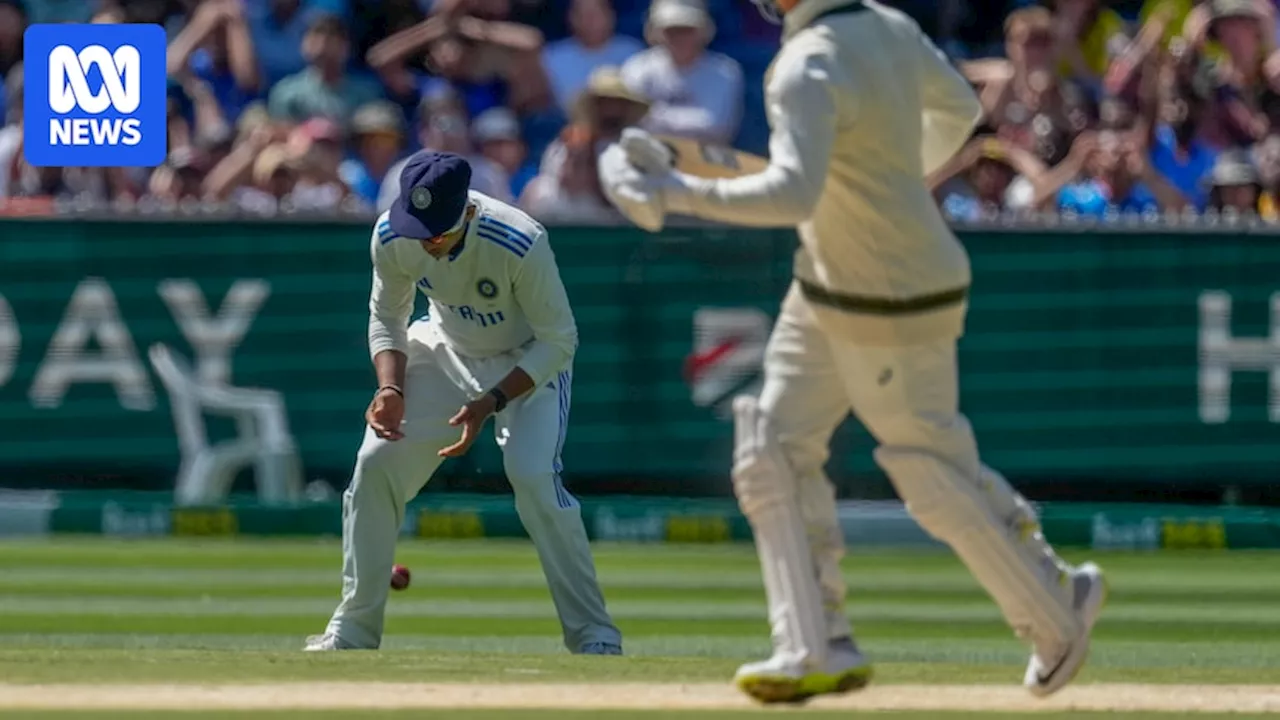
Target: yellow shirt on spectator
<point>1267,209</point>
<point>1096,45</point>
<point>1179,10</point>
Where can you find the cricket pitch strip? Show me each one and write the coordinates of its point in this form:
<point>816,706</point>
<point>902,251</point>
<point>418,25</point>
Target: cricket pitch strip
<point>626,696</point>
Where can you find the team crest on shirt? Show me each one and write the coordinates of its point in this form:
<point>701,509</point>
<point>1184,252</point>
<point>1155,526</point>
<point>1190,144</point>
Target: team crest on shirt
<point>487,288</point>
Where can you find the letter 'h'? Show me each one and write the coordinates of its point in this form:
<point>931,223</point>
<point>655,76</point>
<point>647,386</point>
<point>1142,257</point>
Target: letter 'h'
<point>1221,355</point>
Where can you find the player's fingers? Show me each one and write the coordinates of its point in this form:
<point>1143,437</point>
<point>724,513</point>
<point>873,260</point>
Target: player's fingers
<point>385,430</point>
<point>453,450</point>
<point>460,448</point>
<point>459,416</point>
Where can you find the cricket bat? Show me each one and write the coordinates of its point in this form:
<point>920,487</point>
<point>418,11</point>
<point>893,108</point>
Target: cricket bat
<point>707,160</point>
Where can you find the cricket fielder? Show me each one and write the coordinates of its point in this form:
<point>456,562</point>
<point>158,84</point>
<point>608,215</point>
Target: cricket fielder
<point>498,341</point>
<point>862,106</point>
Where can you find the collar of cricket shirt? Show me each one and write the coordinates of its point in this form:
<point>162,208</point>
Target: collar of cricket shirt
<point>809,12</point>
<point>462,242</point>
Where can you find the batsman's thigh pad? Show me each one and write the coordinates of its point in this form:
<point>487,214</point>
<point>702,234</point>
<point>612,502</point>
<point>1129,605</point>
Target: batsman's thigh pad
<point>1003,551</point>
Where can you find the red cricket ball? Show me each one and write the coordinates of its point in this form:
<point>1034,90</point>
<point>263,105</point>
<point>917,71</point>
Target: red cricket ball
<point>399,577</point>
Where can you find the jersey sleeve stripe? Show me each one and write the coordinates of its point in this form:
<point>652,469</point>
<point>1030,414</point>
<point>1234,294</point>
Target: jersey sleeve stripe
<point>503,240</point>
<point>385,234</point>
<point>504,229</point>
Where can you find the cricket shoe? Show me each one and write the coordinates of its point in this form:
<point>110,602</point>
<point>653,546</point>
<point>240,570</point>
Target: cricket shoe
<point>325,642</point>
<point>1047,675</point>
<point>778,680</point>
<point>600,648</point>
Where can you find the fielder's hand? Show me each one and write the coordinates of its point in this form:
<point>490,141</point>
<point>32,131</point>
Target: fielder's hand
<point>385,414</point>
<point>471,417</point>
<point>635,194</point>
<point>646,152</point>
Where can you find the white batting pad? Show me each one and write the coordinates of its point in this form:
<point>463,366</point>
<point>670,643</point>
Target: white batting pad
<point>989,527</point>
<point>817,501</point>
<point>766,492</point>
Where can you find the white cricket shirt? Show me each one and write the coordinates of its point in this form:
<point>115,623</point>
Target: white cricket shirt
<point>498,291</point>
<point>861,106</point>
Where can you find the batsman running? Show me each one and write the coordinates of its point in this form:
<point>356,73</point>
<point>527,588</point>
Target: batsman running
<point>498,342</point>
<point>862,106</point>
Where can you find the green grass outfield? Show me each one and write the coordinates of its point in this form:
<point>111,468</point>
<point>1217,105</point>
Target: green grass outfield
<point>218,611</point>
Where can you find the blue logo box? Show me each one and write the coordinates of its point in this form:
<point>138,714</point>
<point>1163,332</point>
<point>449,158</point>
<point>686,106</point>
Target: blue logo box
<point>94,96</point>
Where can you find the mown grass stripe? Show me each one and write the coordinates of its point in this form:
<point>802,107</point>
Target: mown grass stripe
<point>616,589</point>
<point>1265,618</point>
<point>1155,654</point>
<point>1174,586</point>
<point>944,630</point>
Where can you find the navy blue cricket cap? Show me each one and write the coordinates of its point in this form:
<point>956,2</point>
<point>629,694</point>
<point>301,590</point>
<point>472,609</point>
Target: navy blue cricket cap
<point>433,195</point>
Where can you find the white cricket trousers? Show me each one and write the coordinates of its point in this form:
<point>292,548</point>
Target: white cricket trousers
<point>907,397</point>
<point>388,474</point>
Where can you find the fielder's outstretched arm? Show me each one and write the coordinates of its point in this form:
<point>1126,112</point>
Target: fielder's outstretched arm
<point>803,112</point>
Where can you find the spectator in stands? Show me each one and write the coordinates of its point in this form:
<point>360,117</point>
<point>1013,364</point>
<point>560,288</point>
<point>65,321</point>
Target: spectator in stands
<point>180,178</point>
<point>490,63</point>
<point>279,29</point>
<point>987,176</point>
<point>13,20</point>
<point>443,129</point>
<point>1245,31</point>
<point>1266,158</point>
<point>973,28</point>
<point>496,133</point>
<point>602,111</point>
<point>570,62</point>
<point>696,93</point>
<point>1107,172</point>
<point>111,14</point>
<point>81,185</point>
<point>533,13</point>
<point>273,179</point>
<point>1235,184</point>
<point>11,129</point>
<point>1160,29</point>
<point>573,194</point>
<point>378,131</point>
<point>155,12</point>
<point>237,178</point>
<point>1178,152</point>
<point>180,113</point>
<point>1088,35</point>
<point>316,153</point>
<point>56,11</point>
<point>326,87</point>
<point>217,48</point>
<point>1025,102</point>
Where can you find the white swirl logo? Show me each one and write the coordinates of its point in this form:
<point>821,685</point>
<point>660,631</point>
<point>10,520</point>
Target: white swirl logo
<point>121,79</point>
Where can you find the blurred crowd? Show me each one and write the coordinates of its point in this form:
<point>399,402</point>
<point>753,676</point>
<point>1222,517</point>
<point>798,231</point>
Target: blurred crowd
<point>1093,108</point>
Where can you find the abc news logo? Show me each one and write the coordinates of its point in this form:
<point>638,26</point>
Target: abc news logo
<point>69,90</point>
<point>95,95</point>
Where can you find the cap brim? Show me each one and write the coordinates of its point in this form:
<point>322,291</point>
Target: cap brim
<point>403,222</point>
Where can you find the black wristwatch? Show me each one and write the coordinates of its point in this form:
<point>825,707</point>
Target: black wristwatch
<point>500,400</point>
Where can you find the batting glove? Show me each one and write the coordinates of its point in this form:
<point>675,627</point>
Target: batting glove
<point>647,152</point>
<point>631,191</point>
